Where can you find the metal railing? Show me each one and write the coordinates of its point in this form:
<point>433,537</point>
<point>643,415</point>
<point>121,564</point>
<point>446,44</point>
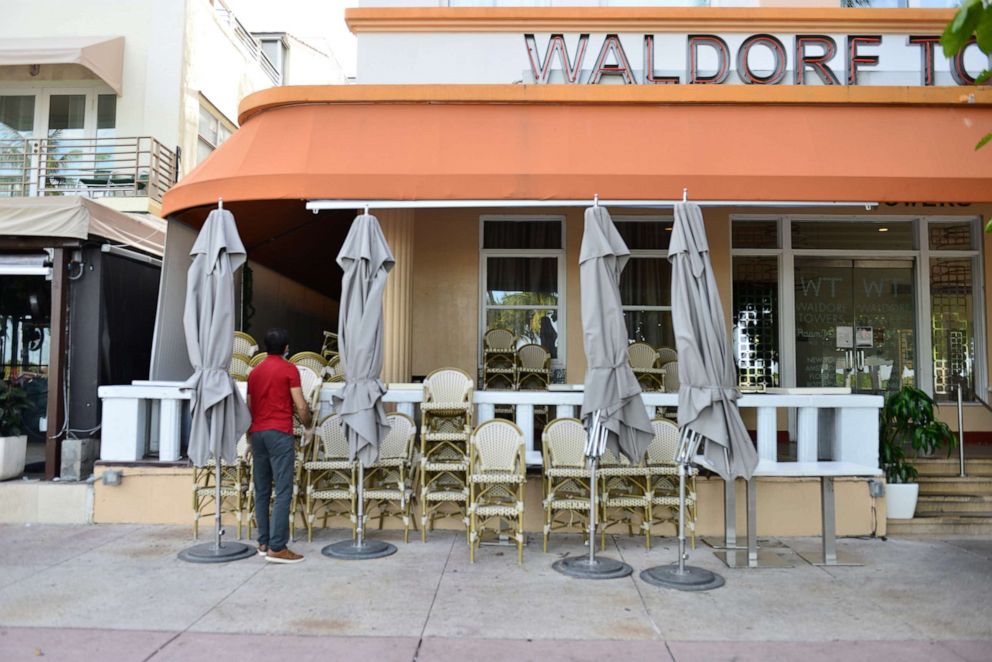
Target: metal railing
<point>249,45</point>
<point>92,167</point>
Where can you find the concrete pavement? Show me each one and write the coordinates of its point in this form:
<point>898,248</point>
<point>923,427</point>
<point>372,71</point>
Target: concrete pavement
<point>119,593</point>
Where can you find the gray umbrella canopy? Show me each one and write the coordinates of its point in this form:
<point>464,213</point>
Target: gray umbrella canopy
<point>610,386</point>
<point>366,260</point>
<point>708,393</point>
<point>219,414</point>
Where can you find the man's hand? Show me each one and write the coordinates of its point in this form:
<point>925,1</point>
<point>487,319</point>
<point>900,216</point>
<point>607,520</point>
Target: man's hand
<point>300,404</point>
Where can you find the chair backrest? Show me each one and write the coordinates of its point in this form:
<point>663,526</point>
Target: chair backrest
<point>239,367</point>
<point>564,442</point>
<point>498,443</point>
<point>312,360</point>
<point>334,372</point>
<point>258,358</point>
<point>610,458</point>
<point>665,443</point>
<point>641,355</point>
<point>330,343</point>
<point>533,357</point>
<point>399,442</point>
<point>310,383</point>
<point>667,355</point>
<point>671,377</point>
<point>242,445</point>
<point>448,385</point>
<point>499,339</point>
<point>244,344</point>
<point>332,437</point>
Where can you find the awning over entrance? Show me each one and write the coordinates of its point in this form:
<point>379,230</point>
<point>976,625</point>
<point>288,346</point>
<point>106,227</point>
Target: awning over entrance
<point>80,218</point>
<point>104,56</point>
<point>540,143</point>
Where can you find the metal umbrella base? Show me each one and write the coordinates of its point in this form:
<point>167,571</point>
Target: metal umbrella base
<point>354,551</point>
<point>686,578</point>
<point>600,567</point>
<point>209,552</point>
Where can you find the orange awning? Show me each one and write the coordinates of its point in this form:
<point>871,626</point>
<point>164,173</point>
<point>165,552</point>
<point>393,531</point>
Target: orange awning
<point>633,143</point>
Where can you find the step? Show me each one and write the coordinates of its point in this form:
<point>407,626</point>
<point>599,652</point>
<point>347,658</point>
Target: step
<point>953,503</point>
<point>975,485</point>
<point>944,466</point>
<point>941,525</point>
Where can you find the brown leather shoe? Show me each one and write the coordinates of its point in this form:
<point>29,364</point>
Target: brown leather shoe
<point>283,556</point>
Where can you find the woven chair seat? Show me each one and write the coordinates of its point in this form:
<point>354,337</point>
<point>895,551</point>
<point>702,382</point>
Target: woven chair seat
<point>566,472</point>
<point>499,510</point>
<point>446,495</point>
<point>224,490</point>
<point>534,371</point>
<point>626,501</point>
<point>504,478</point>
<point>387,462</point>
<point>446,436</point>
<point>568,504</point>
<point>609,472</point>
<point>673,501</point>
<point>379,494</point>
<point>444,466</point>
<point>650,371</point>
<point>663,470</point>
<point>453,407</point>
<point>499,371</point>
<point>328,464</point>
<point>331,494</point>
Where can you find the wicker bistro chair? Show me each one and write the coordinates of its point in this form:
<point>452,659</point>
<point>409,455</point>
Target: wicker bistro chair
<point>233,489</point>
<point>388,487</point>
<point>663,483</point>
<point>329,477</point>
<point>643,359</point>
<point>499,361</point>
<point>533,367</point>
<point>671,384</point>
<point>623,496</point>
<point>666,355</point>
<point>255,360</point>
<point>244,344</point>
<point>312,360</point>
<point>566,477</point>
<point>446,424</point>
<point>334,371</point>
<point>240,367</point>
<point>497,475</point>
<point>330,346</point>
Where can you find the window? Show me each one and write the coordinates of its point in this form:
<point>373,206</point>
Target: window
<point>646,282</point>
<point>523,281</point>
<point>16,116</point>
<point>212,132</point>
<point>755,314</point>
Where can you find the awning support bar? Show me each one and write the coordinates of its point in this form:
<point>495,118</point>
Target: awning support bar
<point>318,205</point>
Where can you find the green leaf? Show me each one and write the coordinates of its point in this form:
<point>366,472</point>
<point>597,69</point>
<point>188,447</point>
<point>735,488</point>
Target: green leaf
<point>983,77</point>
<point>982,143</point>
<point>983,30</point>
<point>988,226</point>
<point>960,29</point>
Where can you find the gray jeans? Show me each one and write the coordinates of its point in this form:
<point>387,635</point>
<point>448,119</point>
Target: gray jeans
<point>274,454</point>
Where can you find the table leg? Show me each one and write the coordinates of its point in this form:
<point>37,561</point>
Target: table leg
<point>752,523</point>
<point>829,520</point>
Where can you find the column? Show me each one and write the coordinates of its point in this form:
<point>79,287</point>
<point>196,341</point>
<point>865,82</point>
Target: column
<point>397,227</point>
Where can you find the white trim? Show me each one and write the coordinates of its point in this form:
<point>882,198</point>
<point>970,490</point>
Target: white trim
<point>317,205</point>
<point>24,270</point>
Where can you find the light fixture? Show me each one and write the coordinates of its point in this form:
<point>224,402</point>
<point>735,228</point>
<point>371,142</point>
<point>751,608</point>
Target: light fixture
<point>34,69</point>
<point>883,229</point>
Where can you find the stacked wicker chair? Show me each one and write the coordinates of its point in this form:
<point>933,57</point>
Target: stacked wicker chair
<point>623,495</point>
<point>533,367</point>
<point>643,360</point>
<point>388,485</point>
<point>234,482</point>
<point>446,424</point>
<point>663,483</point>
<point>311,360</point>
<point>240,366</point>
<point>671,385</point>
<point>667,355</point>
<point>244,344</point>
<point>255,360</point>
<point>333,372</point>
<point>499,359</point>
<point>496,482</point>
<point>330,346</point>
<point>566,478</point>
<point>329,477</point>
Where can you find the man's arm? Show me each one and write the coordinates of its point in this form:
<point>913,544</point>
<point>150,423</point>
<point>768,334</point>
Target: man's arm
<point>300,404</point>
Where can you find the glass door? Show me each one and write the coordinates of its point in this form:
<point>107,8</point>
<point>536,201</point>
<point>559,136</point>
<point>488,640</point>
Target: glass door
<point>855,323</point>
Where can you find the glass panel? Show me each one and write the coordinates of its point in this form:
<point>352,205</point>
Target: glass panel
<point>203,150</point>
<point>106,111</point>
<point>755,320</point>
<point>522,234</point>
<point>823,303</point>
<point>884,326</point>
<point>754,234</point>
<point>645,235</point>
<point>208,126</point>
<point>952,314</point>
<point>522,281</point>
<point>531,326</point>
<point>66,112</point>
<point>646,281</point>
<point>25,307</point>
<point>857,235</point>
<point>951,236</point>
<point>651,326</point>
<point>16,116</point>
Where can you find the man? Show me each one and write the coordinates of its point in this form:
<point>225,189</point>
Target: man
<point>273,393</point>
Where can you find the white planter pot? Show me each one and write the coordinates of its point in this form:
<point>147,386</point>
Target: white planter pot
<point>12,451</point>
<point>900,500</point>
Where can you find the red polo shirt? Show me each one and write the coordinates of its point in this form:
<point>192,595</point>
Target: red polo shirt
<point>268,391</point>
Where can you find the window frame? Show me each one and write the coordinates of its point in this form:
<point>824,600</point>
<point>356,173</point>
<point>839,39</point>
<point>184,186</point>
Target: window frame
<point>560,362</point>
<point>221,124</point>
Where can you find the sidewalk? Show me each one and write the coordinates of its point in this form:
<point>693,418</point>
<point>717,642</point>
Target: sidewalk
<point>119,593</point>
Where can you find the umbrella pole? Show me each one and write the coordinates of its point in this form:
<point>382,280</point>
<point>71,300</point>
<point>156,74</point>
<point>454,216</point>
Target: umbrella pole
<point>217,552</point>
<point>359,549</point>
<point>592,510</point>
<point>679,575</point>
<point>360,538</point>
<point>220,530</point>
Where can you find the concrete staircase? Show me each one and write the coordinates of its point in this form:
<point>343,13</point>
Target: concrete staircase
<point>949,504</point>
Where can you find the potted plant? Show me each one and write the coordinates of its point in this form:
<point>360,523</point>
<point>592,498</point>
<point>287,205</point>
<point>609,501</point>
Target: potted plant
<point>907,421</point>
<point>13,440</point>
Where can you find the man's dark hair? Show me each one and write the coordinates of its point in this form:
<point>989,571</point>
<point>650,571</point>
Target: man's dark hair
<point>276,340</point>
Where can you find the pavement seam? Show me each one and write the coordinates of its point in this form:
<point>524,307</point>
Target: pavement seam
<point>437,589</point>
<point>206,612</point>
<point>670,653</point>
<point>640,594</point>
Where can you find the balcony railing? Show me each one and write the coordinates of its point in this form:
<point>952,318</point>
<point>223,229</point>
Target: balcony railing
<point>92,167</point>
<point>248,44</point>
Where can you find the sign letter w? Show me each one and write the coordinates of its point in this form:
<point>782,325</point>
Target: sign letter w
<point>556,45</point>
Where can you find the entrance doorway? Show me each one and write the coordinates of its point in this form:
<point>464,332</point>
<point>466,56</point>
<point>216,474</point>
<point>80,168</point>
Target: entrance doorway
<point>855,323</point>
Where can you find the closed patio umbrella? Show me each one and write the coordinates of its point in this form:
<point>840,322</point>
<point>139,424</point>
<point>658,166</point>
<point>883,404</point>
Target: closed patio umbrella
<point>707,415</point>
<point>612,408</point>
<point>219,414</point>
<point>366,261</point>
